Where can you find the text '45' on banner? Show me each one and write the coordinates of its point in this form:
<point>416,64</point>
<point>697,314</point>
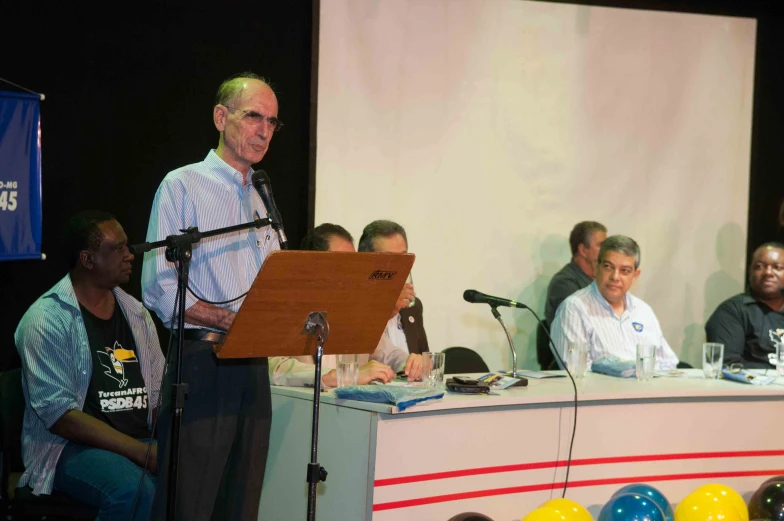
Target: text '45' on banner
<point>20,176</point>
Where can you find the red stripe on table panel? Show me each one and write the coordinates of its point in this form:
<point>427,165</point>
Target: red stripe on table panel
<point>392,505</point>
<point>575,463</point>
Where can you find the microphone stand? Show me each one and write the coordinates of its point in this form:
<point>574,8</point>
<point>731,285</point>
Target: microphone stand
<point>318,326</point>
<point>497,315</point>
<point>179,249</point>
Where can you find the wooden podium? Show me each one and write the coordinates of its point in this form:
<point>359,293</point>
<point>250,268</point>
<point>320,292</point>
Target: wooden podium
<point>302,298</point>
<point>356,291</point>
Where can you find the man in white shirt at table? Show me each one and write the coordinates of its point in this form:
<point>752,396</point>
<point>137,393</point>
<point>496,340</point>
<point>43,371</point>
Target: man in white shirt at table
<point>405,330</point>
<point>606,316</point>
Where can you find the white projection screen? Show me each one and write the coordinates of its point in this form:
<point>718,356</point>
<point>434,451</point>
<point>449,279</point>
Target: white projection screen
<point>488,128</point>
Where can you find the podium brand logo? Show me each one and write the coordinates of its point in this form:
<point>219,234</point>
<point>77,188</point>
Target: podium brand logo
<point>382,275</point>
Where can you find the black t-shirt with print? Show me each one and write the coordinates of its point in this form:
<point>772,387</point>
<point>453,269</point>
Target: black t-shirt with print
<point>117,394</point>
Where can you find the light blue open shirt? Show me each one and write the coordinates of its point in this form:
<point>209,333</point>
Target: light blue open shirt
<point>57,368</point>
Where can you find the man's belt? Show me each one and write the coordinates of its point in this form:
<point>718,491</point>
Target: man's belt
<point>204,335</point>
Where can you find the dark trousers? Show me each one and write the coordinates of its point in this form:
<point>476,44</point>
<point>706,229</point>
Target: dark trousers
<point>224,437</point>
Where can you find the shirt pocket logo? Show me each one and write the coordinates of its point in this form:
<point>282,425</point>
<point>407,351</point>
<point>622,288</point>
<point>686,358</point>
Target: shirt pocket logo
<point>637,327</point>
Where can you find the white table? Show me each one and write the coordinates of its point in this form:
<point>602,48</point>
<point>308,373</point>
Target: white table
<point>504,455</point>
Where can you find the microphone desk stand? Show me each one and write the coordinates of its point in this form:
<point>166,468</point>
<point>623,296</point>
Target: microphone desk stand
<point>497,315</point>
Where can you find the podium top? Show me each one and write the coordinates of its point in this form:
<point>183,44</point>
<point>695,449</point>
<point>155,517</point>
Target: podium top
<point>357,293</point>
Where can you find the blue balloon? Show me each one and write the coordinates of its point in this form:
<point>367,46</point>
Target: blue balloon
<point>631,507</point>
<point>653,493</point>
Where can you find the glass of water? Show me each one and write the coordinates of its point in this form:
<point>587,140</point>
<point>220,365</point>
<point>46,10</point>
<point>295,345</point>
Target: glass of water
<point>410,280</point>
<point>433,370</point>
<point>779,358</point>
<point>646,361</point>
<point>712,359</point>
<point>347,370</point>
<point>577,358</point>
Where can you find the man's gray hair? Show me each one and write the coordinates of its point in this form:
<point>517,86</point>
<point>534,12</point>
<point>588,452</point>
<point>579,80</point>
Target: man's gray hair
<point>377,229</point>
<point>582,233</point>
<point>621,244</point>
<point>231,88</point>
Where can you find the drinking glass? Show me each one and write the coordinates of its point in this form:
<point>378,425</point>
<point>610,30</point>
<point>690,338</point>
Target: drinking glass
<point>780,358</point>
<point>410,280</point>
<point>646,361</point>
<point>347,370</point>
<point>712,359</point>
<point>577,358</point>
<point>433,370</point>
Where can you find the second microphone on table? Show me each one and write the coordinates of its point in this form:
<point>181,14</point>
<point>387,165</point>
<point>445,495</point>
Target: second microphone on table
<point>475,297</point>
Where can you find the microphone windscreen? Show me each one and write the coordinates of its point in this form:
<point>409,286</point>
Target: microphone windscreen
<point>469,295</point>
<point>259,176</point>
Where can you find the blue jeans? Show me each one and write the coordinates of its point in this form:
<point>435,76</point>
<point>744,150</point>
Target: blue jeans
<point>106,481</point>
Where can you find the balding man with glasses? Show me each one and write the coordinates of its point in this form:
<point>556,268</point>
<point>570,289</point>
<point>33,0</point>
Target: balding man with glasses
<point>225,424</point>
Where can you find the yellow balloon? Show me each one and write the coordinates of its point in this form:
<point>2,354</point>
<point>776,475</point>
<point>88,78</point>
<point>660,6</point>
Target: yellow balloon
<point>545,514</point>
<point>725,493</point>
<point>570,510</point>
<point>706,507</point>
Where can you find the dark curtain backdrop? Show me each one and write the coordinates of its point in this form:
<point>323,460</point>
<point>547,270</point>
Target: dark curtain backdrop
<point>129,97</point>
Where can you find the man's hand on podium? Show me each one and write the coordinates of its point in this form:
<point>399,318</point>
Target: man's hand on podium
<point>208,315</point>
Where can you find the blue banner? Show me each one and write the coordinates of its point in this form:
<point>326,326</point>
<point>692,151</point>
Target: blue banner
<point>20,176</point>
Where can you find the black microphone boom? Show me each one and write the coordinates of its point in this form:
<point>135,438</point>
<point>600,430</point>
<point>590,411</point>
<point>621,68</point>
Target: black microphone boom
<point>475,297</point>
<point>261,182</point>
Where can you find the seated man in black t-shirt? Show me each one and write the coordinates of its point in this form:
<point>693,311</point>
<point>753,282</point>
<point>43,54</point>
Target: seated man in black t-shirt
<point>91,369</point>
<point>749,325</point>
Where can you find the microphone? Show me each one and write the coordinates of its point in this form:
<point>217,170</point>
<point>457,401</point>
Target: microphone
<point>475,297</point>
<point>261,183</point>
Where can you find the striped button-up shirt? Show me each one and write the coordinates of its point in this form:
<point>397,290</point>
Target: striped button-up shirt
<point>587,317</point>
<point>57,367</point>
<point>208,195</point>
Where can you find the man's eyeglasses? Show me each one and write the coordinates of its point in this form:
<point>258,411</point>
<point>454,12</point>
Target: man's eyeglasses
<point>734,367</point>
<point>737,367</point>
<point>256,119</point>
